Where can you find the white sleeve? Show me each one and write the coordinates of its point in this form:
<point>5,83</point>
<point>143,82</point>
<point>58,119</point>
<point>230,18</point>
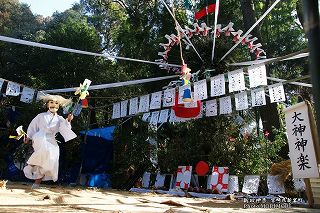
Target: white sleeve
<point>65,129</point>
<point>33,126</point>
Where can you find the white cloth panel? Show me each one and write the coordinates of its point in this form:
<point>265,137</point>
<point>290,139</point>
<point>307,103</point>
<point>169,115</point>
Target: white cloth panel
<point>27,95</point>
<point>241,100</point>
<point>218,85</point>
<point>154,117</point>
<point>116,110</point>
<point>133,106</point>
<point>299,184</point>
<point>163,117</point>
<point>258,97</point>
<point>145,116</point>
<point>225,105</point>
<point>159,180</point>
<point>124,108</point>
<point>169,97</point>
<point>144,103</point>
<point>276,92</point>
<point>257,75</point>
<point>200,90</point>
<point>211,108</point>
<point>156,100</point>
<point>13,89</point>
<point>236,81</point>
<point>146,179</point>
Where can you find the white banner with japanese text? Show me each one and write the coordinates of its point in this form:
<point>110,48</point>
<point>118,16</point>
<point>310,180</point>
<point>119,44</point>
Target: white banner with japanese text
<point>301,147</point>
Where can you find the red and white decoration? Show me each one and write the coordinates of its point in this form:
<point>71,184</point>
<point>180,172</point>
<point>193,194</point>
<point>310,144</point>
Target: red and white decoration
<point>183,177</point>
<point>219,179</point>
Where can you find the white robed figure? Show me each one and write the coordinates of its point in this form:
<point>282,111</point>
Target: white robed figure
<point>43,164</point>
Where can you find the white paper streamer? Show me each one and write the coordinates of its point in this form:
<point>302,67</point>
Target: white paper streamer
<point>116,110</point>
<point>144,103</point>
<point>218,86</point>
<point>211,108</point>
<point>155,100</point>
<point>241,101</point>
<point>27,95</point>
<point>124,108</point>
<point>257,75</point>
<point>133,106</point>
<point>200,90</point>
<point>154,118</point>
<point>13,89</point>
<point>169,97</point>
<point>225,105</point>
<point>258,97</point>
<point>163,117</point>
<point>276,92</point>
<point>236,81</point>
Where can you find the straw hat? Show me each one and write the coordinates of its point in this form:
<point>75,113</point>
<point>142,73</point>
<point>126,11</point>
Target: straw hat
<point>61,100</point>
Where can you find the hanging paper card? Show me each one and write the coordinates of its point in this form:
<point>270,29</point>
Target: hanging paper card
<point>116,110</point>
<point>145,116</point>
<point>1,83</point>
<point>68,108</point>
<point>251,184</point>
<point>299,184</point>
<point>13,89</point>
<point>218,85</point>
<point>200,90</point>
<point>146,179</point>
<point>163,117</point>
<point>183,177</point>
<point>133,106</point>
<point>183,92</point>
<point>275,187</point>
<point>233,185</point>
<point>77,110</point>
<point>124,108</point>
<point>155,100</point>
<point>236,81</point>
<point>258,97</point>
<point>144,103</point>
<point>241,100</point>
<point>219,178</point>
<point>276,93</point>
<point>257,75</point>
<point>169,97</point>
<point>300,140</point>
<point>154,118</point>
<point>159,180</point>
<point>172,117</point>
<point>27,95</point>
<point>211,108</point>
<point>225,105</point>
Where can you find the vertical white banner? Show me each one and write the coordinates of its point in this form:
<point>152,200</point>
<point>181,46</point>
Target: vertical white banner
<point>301,147</point>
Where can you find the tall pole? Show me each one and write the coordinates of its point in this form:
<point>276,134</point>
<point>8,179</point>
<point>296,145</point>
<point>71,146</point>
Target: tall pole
<point>312,30</point>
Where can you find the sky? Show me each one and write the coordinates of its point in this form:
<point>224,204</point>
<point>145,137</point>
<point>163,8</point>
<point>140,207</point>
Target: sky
<point>47,7</point>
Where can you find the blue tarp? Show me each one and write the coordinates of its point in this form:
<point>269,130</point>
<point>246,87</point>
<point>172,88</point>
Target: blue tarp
<point>105,133</point>
<point>97,150</point>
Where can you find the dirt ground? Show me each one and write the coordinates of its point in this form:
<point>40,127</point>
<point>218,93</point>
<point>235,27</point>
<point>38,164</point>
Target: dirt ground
<point>18,197</point>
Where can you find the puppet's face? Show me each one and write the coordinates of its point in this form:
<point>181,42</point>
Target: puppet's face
<point>53,106</point>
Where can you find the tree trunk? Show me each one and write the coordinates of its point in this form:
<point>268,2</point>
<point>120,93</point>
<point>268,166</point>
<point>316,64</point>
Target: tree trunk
<point>269,112</point>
